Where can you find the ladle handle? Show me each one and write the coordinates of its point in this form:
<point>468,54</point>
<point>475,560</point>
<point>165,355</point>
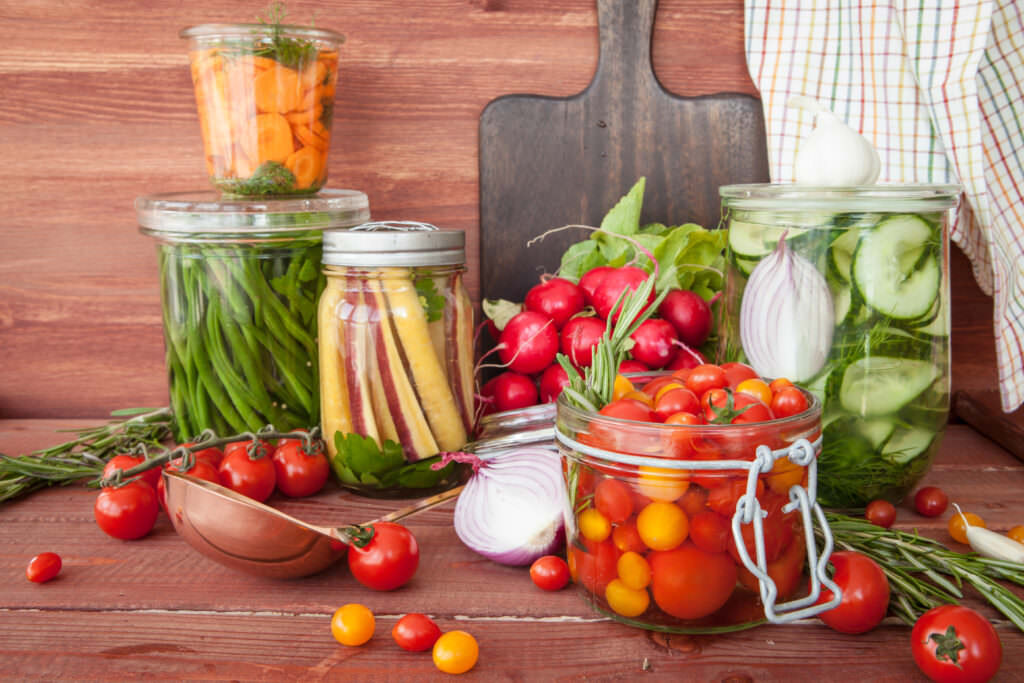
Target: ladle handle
<point>420,506</point>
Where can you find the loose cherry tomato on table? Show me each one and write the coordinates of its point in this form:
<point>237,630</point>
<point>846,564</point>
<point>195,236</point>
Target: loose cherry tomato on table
<point>388,560</point>
<point>689,583</point>
<point>300,472</point>
<point>126,462</point>
<point>128,511</point>
<point>1016,533</point>
<point>880,513</point>
<point>251,475</point>
<point>415,632</point>
<point>958,528</point>
<point>550,573</point>
<point>954,644</point>
<point>43,567</point>
<point>353,624</point>
<point>930,501</point>
<point>865,591</point>
<point>456,652</point>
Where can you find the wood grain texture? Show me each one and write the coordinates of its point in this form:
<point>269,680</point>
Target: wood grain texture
<point>97,109</point>
<point>154,608</point>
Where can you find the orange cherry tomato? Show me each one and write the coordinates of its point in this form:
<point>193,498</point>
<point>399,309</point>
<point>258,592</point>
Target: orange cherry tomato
<point>757,388</point>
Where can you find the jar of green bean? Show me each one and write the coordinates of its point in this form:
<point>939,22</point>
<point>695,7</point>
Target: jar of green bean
<point>240,281</point>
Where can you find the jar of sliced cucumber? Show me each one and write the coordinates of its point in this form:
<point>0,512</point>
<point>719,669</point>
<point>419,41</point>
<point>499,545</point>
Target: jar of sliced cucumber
<point>846,292</point>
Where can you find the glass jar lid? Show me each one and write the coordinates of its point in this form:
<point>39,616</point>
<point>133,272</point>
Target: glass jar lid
<point>207,216</point>
<point>897,197</point>
<point>394,243</point>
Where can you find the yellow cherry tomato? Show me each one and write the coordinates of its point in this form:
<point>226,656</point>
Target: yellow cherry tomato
<point>634,570</point>
<point>757,388</point>
<point>665,388</point>
<point>621,387</point>
<point>593,525</point>
<point>662,525</point>
<point>456,652</point>
<point>352,624</point>
<point>660,483</point>
<point>1017,533</point>
<point>956,525</point>
<point>784,475</point>
<point>629,602</point>
<point>638,395</point>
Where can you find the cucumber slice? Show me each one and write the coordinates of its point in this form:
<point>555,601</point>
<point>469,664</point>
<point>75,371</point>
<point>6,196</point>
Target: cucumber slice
<point>840,254</point>
<point>907,443</point>
<point>842,300</point>
<point>881,385</point>
<point>746,265</point>
<point>936,325</point>
<point>876,430</point>
<point>753,241</point>
<point>896,267</point>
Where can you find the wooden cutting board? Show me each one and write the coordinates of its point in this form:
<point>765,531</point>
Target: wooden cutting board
<point>548,161</point>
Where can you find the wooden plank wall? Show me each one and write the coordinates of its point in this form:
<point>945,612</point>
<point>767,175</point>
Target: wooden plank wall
<point>96,108</point>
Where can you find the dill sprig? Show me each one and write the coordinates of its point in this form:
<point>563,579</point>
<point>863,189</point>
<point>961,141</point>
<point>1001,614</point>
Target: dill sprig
<point>291,52</point>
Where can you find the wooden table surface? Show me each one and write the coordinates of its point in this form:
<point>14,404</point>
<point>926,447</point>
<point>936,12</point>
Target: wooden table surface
<point>156,609</point>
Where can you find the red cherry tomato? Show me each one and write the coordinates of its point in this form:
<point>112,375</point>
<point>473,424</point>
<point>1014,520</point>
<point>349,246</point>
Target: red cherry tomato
<point>388,561</point>
<point>706,377</point>
<point>252,476</point>
<point>674,401</point>
<point>202,469</point>
<point>930,501</point>
<point>788,401</point>
<point>128,511</point>
<point>298,472</point>
<point>261,447</point>
<point>710,531</point>
<point>953,644</point>
<point>415,632</point>
<point>614,500</point>
<point>725,408</point>
<point>737,372</point>
<point>689,583</point>
<point>550,573</point>
<point>43,567</point>
<point>595,564</point>
<point>786,571</point>
<point>865,593</point>
<point>212,455</point>
<point>125,462</point>
<point>880,513</point>
<point>680,441</point>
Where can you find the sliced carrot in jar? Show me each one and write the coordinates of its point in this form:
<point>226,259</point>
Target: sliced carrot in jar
<point>314,75</point>
<point>305,164</point>
<point>274,137</point>
<point>277,90</point>
<point>308,138</point>
<point>306,117</point>
<point>264,62</point>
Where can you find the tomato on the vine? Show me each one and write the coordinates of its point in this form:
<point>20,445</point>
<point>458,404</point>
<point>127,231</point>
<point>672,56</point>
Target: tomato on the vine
<point>125,462</point>
<point>202,469</point>
<point>212,455</point>
<point>415,632</point>
<point>43,567</point>
<point>388,560</point>
<point>128,511</point>
<point>954,644</point>
<point>300,472</point>
<point>550,573</point>
<point>253,476</point>
<point>865,591</point>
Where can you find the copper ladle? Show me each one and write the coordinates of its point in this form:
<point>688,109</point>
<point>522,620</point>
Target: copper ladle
<point>241,533</point>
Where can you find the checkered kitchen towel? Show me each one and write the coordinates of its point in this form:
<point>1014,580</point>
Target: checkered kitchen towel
<point>936,86</point>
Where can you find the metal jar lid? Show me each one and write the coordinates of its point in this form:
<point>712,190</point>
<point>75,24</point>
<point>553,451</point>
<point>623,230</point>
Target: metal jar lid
<point>205,216</point>
<point>394,243</point>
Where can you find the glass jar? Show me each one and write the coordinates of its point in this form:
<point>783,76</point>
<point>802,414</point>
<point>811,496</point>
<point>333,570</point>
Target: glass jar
<point>396,357</point>
<point>870,334</point>
<point>265,95</point>
<point>239,287</point>
<point>664,526</point>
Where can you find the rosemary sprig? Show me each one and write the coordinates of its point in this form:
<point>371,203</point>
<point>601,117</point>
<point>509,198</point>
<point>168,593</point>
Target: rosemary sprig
<point>917,568</point>
<point>85,455</point>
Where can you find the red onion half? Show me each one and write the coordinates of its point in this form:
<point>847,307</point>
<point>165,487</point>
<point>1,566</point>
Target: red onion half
<point>510,510</point>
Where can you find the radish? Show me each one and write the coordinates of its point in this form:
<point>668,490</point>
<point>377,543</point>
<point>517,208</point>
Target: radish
<point>689,314</point>
<point>632,365</point>
<point>686,358</point>
<point>552,381</point>
<point>654,342</point>
<point>613,285</point>
<point>528,343</point>
<point>558,298</point>
<point>590,281</point>
<point>509,391</point>
<point>578,338</point>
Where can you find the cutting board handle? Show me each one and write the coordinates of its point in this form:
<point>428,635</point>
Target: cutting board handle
<point>624,31</point>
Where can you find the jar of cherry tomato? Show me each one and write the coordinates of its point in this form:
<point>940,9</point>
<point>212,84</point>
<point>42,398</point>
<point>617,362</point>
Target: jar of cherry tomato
<point>693,528</point>
<point>396,356</point>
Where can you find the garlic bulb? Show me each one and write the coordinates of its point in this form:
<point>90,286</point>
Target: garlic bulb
<point>991,544</point>
<point>834,153</point>
<point>786,316</point>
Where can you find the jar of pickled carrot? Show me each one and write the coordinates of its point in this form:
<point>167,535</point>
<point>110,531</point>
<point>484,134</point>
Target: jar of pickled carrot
<point>396,357</point>
<point>265,95</point>
<point>694,528</point>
